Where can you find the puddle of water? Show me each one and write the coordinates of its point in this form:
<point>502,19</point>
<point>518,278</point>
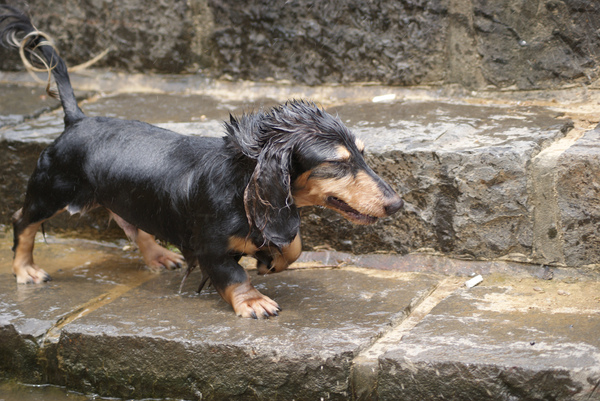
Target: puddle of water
<point>25,100</point>
<point>11,391</point>
<point>164,108</point>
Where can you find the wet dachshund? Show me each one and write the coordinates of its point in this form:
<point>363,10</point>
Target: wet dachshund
<point>215,199</point>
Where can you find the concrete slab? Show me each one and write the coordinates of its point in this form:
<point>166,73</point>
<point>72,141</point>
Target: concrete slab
<point>504,340</point>
<point>193,344</point>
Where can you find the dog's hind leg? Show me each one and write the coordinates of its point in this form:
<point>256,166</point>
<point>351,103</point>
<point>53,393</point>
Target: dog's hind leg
<point>155,256</point>
<point>25,228</point>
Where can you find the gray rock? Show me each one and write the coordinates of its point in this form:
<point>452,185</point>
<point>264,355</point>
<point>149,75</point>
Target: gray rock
<point>105,326</point>
<point>559,47</point>
<point>578,194</point>
<point>484,344</point>
<point>462,170</point>
<point>472,43</point>
<point>333,41</point>
<point>142,34</point>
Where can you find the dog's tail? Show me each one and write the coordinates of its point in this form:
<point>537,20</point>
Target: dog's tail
<point>36,49</point>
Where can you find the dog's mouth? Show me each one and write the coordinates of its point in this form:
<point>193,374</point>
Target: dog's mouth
<point>349,212</point>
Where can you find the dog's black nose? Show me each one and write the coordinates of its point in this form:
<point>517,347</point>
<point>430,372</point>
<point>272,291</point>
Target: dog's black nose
<point>394,206</point>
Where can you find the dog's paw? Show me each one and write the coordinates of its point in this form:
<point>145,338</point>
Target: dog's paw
<point>167,259</point>
<point>257,307</point>
<point>264,269</point>
<point>248,302</point>
<point>30,274</point>
<point>157,258</point>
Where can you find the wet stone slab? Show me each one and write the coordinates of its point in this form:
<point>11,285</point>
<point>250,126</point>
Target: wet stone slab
<point>411,126</point>
<point>107,325</point>
<point>154,342</point>
<point>168,108</point>
<point>30,315</point>
<point>22,102</point>
<point>525,339</point>
<point>206,112</point>
<point>463,171</point>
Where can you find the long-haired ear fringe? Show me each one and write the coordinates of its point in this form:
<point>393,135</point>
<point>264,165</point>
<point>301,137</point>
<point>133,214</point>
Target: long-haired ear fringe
<point>270,138</point>
<point>268,198</point>
<point>245,134</point>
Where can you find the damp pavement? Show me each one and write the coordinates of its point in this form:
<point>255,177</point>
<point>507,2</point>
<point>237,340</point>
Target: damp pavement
<point>376,319</point>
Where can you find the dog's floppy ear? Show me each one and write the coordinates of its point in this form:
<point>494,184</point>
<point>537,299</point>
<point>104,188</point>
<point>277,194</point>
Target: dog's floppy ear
<point>268,197</point>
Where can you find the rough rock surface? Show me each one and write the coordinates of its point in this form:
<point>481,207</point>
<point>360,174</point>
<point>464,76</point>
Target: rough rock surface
<point>471,175</point>
<point>481,344</point>
<point>332,41</point>
<point>141,34</point>
<point>578,199</point>
<point>462,170</point>
<point>474,43</point>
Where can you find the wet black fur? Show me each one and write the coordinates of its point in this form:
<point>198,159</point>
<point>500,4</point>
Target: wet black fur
<point>190,191</point>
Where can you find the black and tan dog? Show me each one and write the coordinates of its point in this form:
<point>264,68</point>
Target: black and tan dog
<point>216,199</point>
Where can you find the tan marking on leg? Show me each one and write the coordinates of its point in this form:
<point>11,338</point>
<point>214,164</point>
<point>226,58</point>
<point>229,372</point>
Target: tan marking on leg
<point>130,230</point>
<point>247,301</point>
<point>23,267</point>
<point>281,261</point>
<point>156,256</point>
<point>242,245</point>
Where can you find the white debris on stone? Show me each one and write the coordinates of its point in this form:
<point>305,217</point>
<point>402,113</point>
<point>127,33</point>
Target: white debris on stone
<point>384,98</point>
<point>474,281</point>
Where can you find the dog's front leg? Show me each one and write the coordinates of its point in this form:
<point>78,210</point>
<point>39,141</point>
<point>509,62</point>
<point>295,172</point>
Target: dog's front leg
<point>233,284</point>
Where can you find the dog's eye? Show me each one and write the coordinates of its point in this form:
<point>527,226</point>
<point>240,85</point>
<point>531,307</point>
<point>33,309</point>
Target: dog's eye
<point>340,166</point>
<point>338,162</point>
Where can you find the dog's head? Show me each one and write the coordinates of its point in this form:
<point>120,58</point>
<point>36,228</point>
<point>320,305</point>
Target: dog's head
<point>305,156</point>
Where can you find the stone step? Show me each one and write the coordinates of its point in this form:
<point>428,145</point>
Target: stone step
<point>106,325</point>
<point>481,179</point>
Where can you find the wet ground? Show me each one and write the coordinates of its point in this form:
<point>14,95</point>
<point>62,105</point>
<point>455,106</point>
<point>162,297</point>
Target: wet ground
<point>365,324</point>
<point>11,391</point>
<point>115,328</point>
